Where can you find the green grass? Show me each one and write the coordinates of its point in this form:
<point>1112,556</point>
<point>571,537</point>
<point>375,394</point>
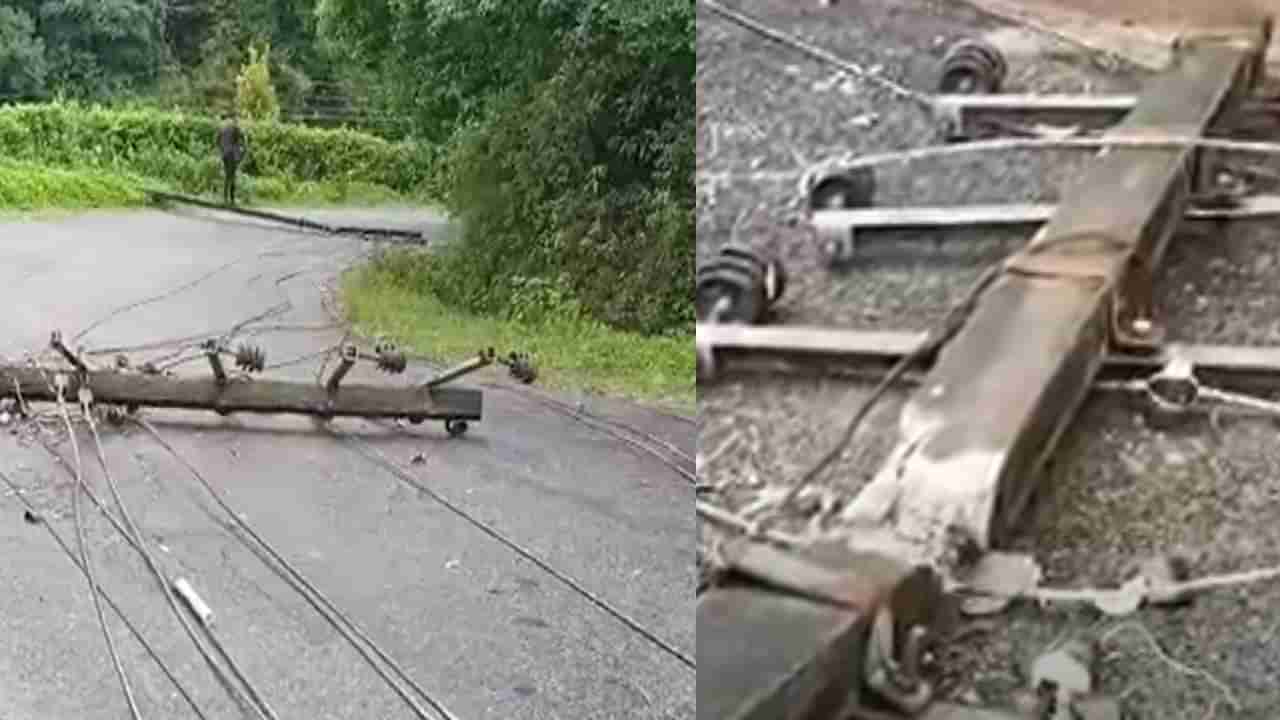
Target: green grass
<point>26,187</point>
<point>569,355</point>
<point>32,188</point>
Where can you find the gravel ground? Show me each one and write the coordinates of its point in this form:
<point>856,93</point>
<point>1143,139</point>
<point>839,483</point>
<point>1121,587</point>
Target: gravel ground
<point>1119,490</point>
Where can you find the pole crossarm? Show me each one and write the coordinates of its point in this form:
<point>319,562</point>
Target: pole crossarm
<point>973,439</point>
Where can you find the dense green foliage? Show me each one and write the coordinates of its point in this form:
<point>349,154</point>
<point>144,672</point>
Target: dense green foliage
<point>175,52</point>
<point>27,186</point>
<point>570,126</point>
<point>178,149</point>
<point>564,127</point>
<point>23,68</point>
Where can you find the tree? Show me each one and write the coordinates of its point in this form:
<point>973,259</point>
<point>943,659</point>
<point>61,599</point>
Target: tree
<point>571,126</point>
<point>22,63</point>
<point>255,95</point>
<point>447,59</point>
<point>97,48</point>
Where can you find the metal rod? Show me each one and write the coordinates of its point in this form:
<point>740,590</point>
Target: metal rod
<point>213,353</point>
<point>1257,207</point>
<point>55,340</point>
<point>969,117</point>
<point>483,360</point>
<point>740,347</point>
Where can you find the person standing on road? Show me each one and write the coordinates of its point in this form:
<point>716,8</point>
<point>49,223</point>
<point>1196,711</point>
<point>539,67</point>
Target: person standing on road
<point>231,143</point>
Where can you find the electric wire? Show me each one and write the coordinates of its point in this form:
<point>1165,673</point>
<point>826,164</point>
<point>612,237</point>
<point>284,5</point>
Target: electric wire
<point>87,562</point>
<point>336,618</point>
<point>218,672</point>
<point>215,668</point>
<point>115,608</point>
<point>166,586</point>
<point>617,430</point>
<point>817,53</point>
<point>378,458</point>
<point>950,325</point>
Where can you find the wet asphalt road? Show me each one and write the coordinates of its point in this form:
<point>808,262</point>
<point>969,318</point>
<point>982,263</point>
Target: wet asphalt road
<point>487,632</point>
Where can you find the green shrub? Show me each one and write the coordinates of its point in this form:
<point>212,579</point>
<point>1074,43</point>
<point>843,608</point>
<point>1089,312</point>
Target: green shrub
<point>255,94</point>
<point>178,148</point>
<point>26,186</point>
<point>577,184</point>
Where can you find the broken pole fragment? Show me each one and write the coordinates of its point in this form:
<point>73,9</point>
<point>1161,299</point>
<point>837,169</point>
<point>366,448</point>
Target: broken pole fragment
<point>410,236</point>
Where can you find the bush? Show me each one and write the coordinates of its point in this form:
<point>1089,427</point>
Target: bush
<point>255,94</point>
<point>25,186</point>
<point>583,184</point>
<point>179,148</point>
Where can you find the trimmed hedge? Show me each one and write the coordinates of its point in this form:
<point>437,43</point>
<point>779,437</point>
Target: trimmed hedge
<point>179,148</point>
<point>27,186</point>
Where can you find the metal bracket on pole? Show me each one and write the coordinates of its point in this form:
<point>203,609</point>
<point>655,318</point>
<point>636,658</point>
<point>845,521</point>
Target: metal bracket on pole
<point>55,341</point>
<point>483,359</point>
<point>346,361</point>
<point>213,354</point>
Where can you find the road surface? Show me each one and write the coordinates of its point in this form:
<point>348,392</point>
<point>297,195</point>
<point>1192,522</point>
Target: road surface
<point>485,631</point>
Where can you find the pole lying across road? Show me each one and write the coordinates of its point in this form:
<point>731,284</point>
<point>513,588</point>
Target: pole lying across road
<point>829,630</point>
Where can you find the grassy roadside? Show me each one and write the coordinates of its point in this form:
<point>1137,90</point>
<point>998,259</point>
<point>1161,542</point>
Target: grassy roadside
<point>569,356</point>
<point>27,188</point>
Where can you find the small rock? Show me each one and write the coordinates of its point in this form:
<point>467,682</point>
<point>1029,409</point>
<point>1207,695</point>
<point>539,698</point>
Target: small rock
<point>1161,575</point>
<point>1067,668</point>
<point>31,518</point>
<point>418,459</point>
<point>5,418</point>
<point>452,565</point>
<point>1263,263</point>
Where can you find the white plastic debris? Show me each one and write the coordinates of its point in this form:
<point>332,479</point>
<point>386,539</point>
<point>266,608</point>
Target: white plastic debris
<point>193,600</point>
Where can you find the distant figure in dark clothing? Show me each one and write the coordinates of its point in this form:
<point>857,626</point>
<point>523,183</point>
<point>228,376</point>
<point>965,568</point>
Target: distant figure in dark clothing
<point>232,146</point>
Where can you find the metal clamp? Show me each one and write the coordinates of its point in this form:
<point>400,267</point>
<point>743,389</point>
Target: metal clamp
<point>898,679</point>
<point>55,341</point>
<point>213,352</point>
<point>347,360</point>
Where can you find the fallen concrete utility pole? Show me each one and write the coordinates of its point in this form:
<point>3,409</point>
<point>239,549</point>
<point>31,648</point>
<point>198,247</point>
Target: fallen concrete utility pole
<point>409,236</point>
<point>224,394</point>
<point>842,629</point>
